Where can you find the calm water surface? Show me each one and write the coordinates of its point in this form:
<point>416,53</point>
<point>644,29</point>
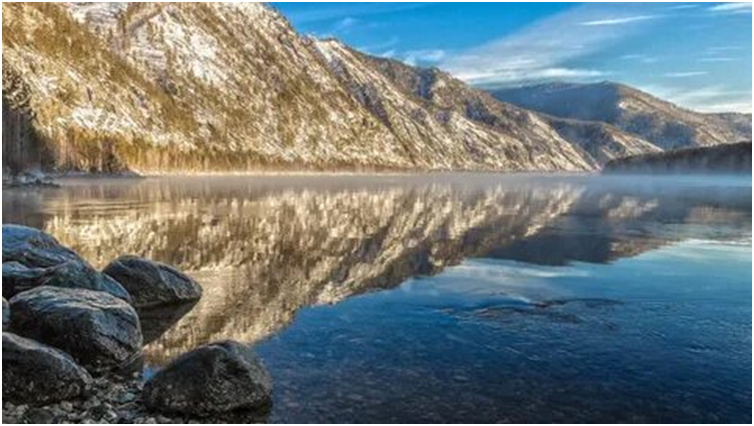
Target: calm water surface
<point>446,298</point>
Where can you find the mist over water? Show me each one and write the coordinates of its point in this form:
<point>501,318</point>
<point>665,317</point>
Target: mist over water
<point>447,297</point>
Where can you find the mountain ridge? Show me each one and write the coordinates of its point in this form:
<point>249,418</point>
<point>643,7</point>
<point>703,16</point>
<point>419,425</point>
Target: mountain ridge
<point>172,87</point>
<point>662,123</point>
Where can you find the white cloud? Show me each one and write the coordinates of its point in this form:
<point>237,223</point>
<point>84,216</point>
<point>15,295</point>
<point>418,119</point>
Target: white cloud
<point>685,74</point>
<point>618,21</point>
<point>711,98</point>
<point>733,7</point>
<point>548,49</point>
<point>645,59</point>
<point>345,24</point>
<point>503,78</point>
<point>380,46</point>
<point>418,57</point>
<point>330,11</point>
<point>718,59</point>
<point>683,7</point>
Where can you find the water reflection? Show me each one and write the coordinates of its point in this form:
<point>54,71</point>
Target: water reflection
<point>262,248</point>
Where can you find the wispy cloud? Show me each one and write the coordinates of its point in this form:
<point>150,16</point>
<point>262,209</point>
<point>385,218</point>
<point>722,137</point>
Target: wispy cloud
<point>550,48</point>
<point>331,11</point>
<point>618,21</point>
<point>733,7</point>
<point>718,59</point>
<point>385,45</point>
<point>345,24</point>
<point>684,74</point>
<point>710,98</point>
<point>424,56</point>
<point>644,59</point>
<point>682,7</point>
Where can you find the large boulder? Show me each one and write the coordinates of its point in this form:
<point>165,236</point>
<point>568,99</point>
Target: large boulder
<point>6,314</point>
<point>37,373</point>
<point>221,377</point>
<point>153,284</point>
<point>98,330</point>
<point>32,258</point>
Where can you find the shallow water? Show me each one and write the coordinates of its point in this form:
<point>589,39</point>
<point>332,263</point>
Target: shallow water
<point>446,298</point>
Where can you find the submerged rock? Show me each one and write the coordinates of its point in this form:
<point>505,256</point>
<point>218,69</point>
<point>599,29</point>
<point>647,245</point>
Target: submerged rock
<point>32,258</point>
<point>97,329</point>
<point>152,284</point>
<point>220,377</point>
<point>6,314</point>
<point>37,373</point>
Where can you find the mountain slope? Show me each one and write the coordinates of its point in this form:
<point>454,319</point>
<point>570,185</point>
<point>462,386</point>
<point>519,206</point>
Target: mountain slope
<point>728,158</point>
<point>444,115</point>
<point>191,87</point>
<point>662,123</point>
<point>439,95</point>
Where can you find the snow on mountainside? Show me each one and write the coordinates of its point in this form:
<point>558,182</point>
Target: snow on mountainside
<point>178,87</point>
<point>597,142</point>
<point>660,122</point>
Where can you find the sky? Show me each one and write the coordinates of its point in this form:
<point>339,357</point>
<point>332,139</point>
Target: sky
<point>697,55</point>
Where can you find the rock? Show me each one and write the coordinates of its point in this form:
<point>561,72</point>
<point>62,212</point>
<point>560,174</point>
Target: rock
<point>32,258</point>
<point>18,278</point>
<point>156,321</point>
<point>153,284</point>
<point>37,373</point>
<point>220,377</point>
<point>98,330</point>
<point>6,314</point>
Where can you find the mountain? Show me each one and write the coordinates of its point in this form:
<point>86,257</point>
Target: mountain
<point>659,122</point>
<point>180,88</point>
<point>728,158</point>
<point>435,95</point>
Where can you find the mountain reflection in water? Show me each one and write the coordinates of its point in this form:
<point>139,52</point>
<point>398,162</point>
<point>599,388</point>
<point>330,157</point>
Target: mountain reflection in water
<point>264,247</point>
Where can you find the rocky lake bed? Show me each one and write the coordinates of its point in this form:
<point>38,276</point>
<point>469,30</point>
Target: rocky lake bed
<point>73,339</point>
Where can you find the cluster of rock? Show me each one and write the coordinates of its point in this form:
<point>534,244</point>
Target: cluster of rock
<point>71,332</point>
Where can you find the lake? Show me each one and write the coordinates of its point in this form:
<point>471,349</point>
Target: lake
<point>446,297</point>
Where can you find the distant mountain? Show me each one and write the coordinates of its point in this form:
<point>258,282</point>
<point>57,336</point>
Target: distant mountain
<point>178,87</point>
<point>659,122</point>
<point>728,158</point>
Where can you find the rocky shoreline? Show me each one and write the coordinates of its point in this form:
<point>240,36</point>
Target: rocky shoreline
<point>72,344</point>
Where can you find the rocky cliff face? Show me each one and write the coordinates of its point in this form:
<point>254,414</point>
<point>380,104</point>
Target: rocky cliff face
<point>216,87</point>
<point>661,123</point>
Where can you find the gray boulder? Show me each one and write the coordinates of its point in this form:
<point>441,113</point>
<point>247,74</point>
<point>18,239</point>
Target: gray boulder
<point>32,258</point>
<point>153,284</point>
<point>100,331</point>
<point>36,373</point>
<point>6,314</point>
<point>221,377</point>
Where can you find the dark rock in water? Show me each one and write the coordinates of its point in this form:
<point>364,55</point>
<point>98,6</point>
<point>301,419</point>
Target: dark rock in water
<point>152,284</point>
<point>220,377</point>
<point>100,331</point>
<point>32,258</point>
<point>36,373</point>
<point>6,314</point>
<point>156,321</point>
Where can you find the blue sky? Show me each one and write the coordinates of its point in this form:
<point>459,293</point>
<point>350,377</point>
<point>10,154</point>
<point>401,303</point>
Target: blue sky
<point>695,54</point>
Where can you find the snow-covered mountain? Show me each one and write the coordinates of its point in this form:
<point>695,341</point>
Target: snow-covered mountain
<point>659,122</point>
<point>172,87</point>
